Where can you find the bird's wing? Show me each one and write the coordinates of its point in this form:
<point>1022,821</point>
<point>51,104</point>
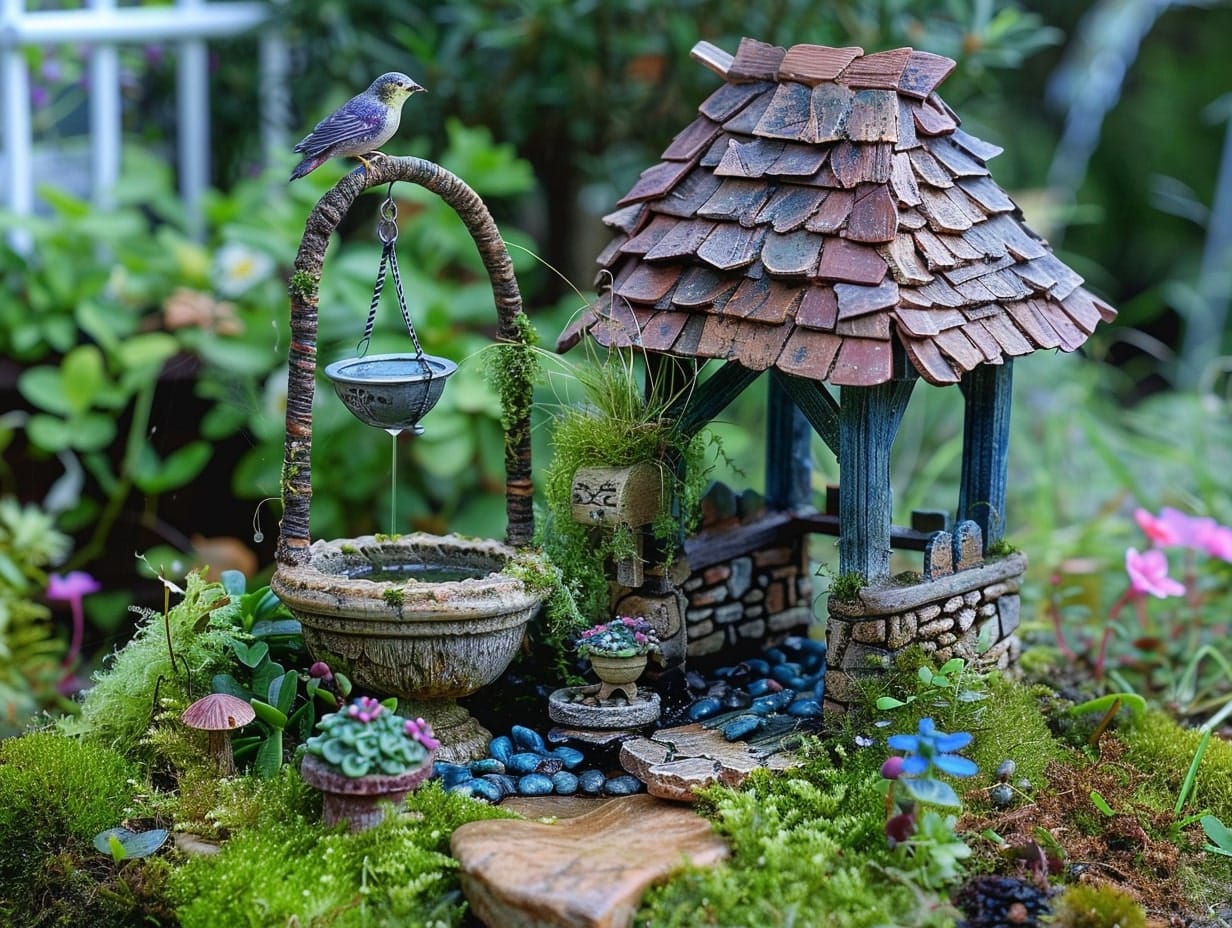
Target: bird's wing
<point>347,123</point>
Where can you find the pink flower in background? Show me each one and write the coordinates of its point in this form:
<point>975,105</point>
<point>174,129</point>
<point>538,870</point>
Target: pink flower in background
<point>72,588</point>
<point>1148,574</point>
<point>1163,530</point>
<point>1216,540</point>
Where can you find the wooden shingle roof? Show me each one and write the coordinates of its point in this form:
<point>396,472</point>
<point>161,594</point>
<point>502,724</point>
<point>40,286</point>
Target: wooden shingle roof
<point>823,203</point>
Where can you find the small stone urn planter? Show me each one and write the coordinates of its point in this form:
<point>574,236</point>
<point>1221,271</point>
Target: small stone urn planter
<point>365,760</point>
<point>618,674</point>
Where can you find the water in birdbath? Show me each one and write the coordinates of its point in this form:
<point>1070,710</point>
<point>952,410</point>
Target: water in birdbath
<point>424,573</point>
<point>393,480</point>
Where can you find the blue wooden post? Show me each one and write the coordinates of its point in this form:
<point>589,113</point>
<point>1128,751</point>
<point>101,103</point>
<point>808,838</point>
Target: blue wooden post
<point>868,421</point>
<point>789,464</point>
<point>986,442</point>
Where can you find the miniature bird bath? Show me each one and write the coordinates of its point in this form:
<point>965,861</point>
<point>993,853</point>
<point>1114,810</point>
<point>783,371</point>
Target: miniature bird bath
<point>425,618</point>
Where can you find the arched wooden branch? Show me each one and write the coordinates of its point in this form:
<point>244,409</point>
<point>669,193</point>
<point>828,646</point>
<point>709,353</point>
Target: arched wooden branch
<point>294,537</point>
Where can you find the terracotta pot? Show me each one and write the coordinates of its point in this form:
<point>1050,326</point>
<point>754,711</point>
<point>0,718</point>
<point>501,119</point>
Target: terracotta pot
<point>618,674</point>
<point>360,801</point>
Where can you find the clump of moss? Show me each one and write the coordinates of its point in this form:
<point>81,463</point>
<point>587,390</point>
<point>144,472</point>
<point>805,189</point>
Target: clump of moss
<point>58,794</point>
<point>291,869</point>
<point>1097,905</point>
<point>845,588</point>
<point>393,596</point>
<point>806,844</point>
<point>172,655</point>
<point>1155,742</point>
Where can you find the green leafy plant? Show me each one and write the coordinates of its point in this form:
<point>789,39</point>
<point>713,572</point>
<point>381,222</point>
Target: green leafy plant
<point>367,737</point>
<point>124,844</point>
<point>942,688</point>
<point>624,636</point>
<point>1219,834</point>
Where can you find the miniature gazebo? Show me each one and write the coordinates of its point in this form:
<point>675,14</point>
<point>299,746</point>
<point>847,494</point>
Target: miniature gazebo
<point>825,220</point>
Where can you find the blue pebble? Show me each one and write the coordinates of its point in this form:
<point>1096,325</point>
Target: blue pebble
<point>760,687</point>
<point>486,790</point>
<point>757,666</point>
<point>500,748</point>
<point>565,783</point>
<point>775,702</point>
<point>624,785</point>
<point>704,708</point>
<point>535,784</point>
<point>527,762</point>
<point>805,709</point>
<point>723,673</point>
<point>507,784</point>
<point>570,757</point>
<point>742,726</point>
<point>785,672</point>
<point>486,765</point>
<point>451,774</point>
<point>528,739</point>
<point>775,656</point>
<point>811,663</point>
<point>591,781</point>
<point>819,688</point>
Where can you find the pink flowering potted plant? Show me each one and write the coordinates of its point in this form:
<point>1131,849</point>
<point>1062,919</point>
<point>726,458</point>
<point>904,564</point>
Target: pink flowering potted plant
<point>618,652</point>
<point>364,759</point>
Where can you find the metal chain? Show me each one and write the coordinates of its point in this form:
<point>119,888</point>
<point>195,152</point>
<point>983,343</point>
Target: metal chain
<point>387,232</point>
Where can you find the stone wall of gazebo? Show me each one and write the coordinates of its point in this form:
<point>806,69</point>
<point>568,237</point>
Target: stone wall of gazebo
<point>964,607</point>
<point>749,581</point>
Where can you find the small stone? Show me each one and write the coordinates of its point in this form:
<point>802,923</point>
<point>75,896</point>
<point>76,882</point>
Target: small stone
<point>535,784</point>
<point>528,739</point>
<point>570,757</point>
<point>737,699</point>
<point>705,708</point>
<point>1025,786</point>
<point>776,702</point>
<point>486,765</point>
<point>775,656</point>
<point>507,784</point>
<point>742,726</point>
<point>623,785</point>
<point>451,774</point>
<point>527,762</point>
<point>485,790</point>
<point>1001,796</point>
<point>565,783</point>
<point>784,672</point>
<point>762,686</point>
<point>805,709</point>
<point>1006,770</point>
<point>695,681</point>
<point>757,666</point>
<point>591,781</point>
<point>500,748</point>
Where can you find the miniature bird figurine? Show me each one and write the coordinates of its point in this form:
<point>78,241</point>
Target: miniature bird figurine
<point>360,126</point>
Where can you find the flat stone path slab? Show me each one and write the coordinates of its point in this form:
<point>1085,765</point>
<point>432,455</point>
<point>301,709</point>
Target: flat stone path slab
<point>589,871</point>
<point>675,762</point>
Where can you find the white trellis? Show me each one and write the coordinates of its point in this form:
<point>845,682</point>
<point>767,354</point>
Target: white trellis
<point>104,26</point>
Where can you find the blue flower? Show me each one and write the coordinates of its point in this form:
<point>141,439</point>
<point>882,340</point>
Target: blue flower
<point>930,748</point>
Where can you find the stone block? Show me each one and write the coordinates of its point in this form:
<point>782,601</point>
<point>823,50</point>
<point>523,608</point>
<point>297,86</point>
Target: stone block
<point>901,630</point>
<point>939,556</point>
<point>753,596</point>
<point>838,636</point>
<point>987,610</point>
<point>752,630</point>
<point>872,631</point>
<point>728,613</point>
<point>708,596</point>
<point>693,583</point>
<point>952,605</point>
<point>710,644</point>
<point>699,615</point>
<point>790,618</point>
<point>772,557</point>
<point>700,629</point>
<point>741,577</point>
<point>966,618</point>
<point>946,639</point>
<point>927,613</point>
<point>968,545</point>
<point>931,630</point>
<point>776,598</point>
<point>1010,610</point>
<point>866,659</point>
<point>996,590</point>
<point>718,573</point>
<point>971,598</point>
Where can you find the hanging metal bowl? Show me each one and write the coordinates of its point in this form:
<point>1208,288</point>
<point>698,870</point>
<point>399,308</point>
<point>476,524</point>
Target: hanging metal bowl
<point>390,391</point>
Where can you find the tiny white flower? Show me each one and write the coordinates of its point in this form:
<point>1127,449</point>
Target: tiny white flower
<point>238,268</point>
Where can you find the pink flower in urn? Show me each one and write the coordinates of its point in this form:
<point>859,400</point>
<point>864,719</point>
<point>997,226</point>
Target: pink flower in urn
<point>320,670</point>
<point>421,731</point>
<point>365,709</point>
<point>1148,574</point>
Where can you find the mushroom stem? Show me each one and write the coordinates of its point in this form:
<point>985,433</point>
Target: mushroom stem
<point>220,750</point>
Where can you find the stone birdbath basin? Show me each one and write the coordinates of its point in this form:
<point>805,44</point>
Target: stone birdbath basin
<point>425,618</point>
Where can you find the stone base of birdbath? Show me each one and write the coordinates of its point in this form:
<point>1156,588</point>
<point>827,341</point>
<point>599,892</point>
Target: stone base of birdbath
<point>580,707</point>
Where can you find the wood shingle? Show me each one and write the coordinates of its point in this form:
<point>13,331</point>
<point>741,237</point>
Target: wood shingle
<point>824,207</point>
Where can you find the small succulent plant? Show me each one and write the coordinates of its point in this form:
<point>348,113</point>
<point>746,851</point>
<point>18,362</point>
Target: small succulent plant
<point>624,636</point>
<point>366,737</point>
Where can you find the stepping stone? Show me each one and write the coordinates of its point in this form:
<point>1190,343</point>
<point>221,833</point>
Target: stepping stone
<point>675,762</point>
<point>584,872</point>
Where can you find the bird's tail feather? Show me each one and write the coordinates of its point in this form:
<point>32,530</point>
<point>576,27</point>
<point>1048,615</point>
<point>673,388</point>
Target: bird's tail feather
<point>306,166</point>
